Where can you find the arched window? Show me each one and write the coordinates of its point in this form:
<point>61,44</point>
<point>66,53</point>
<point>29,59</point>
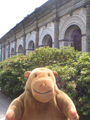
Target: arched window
<point>73,34</point>
<point>12,52</point>
<point>76,36</point>
<point>20,49</point>
<point>31,46</point>
<point>47,41</point>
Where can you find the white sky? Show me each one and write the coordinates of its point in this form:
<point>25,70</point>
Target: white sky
<point>14,11</point>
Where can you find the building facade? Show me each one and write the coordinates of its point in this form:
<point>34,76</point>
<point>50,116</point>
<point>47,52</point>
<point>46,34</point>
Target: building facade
<point>56,23</point>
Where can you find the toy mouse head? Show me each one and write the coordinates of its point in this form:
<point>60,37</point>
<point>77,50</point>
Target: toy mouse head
<point>41,83</point>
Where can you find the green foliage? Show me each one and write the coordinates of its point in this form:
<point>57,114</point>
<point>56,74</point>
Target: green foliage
<point>73,74</point>
<point>11,74</point>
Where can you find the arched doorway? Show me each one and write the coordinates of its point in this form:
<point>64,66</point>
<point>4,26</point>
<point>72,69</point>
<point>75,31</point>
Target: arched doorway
<point>31,46</point>
<point>73,34</point>
<point>47,41</point>
<point>20,49</point>
<point>12,52</point>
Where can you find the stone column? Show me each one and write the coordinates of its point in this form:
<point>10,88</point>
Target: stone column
<point>37,35</point>
<point>15,45</point>
<point>1,52</point>
<point>37,30</point>
<point>24,44</point>
<point>56,32</point>
<point>88,28</point>
<point>8,49</point>
<point>15,40</point>
<point>4,50</point>
<point>83,43</point>
<point>37,38</point>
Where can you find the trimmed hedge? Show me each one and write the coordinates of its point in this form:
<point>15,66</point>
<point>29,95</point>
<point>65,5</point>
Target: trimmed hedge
<point>73,69</point>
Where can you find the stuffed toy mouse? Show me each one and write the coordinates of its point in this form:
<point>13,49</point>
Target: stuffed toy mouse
<point>42,100</point>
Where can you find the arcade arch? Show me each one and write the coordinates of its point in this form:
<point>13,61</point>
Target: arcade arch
<point>75,26</point>
<point>47,41</point>
<point>12,52</point>
<point>46,36</point>
<point>20,49</point>
<point>73,34</point>
<point>30,42</point>
<point>31,46</point>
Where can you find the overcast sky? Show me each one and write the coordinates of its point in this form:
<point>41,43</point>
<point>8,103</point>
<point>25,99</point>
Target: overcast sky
<point>14,11</point>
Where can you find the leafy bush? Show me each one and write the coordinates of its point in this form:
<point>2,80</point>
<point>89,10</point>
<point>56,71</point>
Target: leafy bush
<point>11,71</point>
<point>73,74</point>
<point>83,85</point>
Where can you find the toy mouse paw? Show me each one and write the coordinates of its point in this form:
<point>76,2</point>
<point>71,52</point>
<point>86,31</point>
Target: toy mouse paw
<point>10,115</point>
<point>73,114</point>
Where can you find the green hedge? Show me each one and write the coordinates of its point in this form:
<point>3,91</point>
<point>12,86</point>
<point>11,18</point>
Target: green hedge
<point>73,69</point>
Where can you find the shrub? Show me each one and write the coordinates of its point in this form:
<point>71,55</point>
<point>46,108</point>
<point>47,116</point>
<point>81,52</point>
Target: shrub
<point>73,74</point>
<point>83,85</point>
<point>11,71</point>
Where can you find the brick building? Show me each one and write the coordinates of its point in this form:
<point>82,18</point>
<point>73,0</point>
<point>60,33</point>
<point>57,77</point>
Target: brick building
<point>56,23</point>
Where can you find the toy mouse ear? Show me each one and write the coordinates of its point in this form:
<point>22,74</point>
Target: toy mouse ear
<point>26,74</point>
<point>55,74</point>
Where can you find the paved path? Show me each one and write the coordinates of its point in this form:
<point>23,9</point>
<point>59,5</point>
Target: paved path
<point>4,103</point>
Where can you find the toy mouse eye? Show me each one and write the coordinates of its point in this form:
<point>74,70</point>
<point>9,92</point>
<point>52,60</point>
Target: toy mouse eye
<point>35,75</point>
<point>48,74</point>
